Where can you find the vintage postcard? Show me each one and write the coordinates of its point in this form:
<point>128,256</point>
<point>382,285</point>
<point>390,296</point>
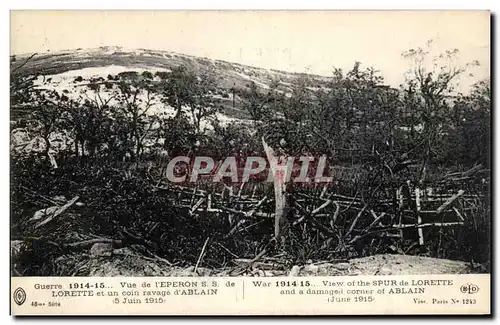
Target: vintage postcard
<point>250,162</point>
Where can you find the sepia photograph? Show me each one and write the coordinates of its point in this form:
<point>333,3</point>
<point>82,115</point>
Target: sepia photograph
<point>250,144</point>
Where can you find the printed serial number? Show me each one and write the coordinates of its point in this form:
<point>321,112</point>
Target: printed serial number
<point>469,301</point>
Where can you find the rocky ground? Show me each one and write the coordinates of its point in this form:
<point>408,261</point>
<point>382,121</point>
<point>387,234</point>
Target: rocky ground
<point>126,262</point>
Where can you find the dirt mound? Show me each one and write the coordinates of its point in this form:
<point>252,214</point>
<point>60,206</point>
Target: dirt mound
<point>127,262</point>
<point>385,265</point>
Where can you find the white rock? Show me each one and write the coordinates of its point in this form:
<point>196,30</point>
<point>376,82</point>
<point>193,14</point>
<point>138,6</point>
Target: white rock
<point>294,271</point>
<point>101,249</point>
<point>311,269</point>
<point>342,266</point>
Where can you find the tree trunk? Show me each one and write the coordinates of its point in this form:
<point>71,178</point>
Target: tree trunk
<point>76,147</point>
<point>47,145</point>
<point>178,108</point>
<point>138,149</point>
<point>82,146</point>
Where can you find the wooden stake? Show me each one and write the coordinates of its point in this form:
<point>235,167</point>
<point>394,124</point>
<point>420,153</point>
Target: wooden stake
<point>194,195</point>
<point>209,203</point>
<point>197,205</point>
<point>57,212</point>
<point>449,201</point>
<point>321,207</point>
<point>458,214</point>
<point>323,192</point>
<point>400,198</point>
<point>201,255</point>
<point>241,189</point>
<point>252,211</point>
<point>419,219</point>
<point>279,193</point>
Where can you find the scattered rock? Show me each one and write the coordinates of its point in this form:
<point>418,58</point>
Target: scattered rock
<point>384,265</point>
<point>122,251</point>
<point>101,250</point>
<point>188,272</point>
<point>294,271</point>
<point>17,248</point>
<point>407,265</point>
<point>384,271</point>
<point>342,266</point>
<point>128,262</point>
<point>311,269</point>
<point>203,272</point>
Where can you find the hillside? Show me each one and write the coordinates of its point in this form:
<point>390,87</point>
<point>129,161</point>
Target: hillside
<point>59,69</point>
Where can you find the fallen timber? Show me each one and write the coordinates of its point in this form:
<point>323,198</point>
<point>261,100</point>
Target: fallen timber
<point>337,218</point>
<point>379,217</point>
<point>405,206</point>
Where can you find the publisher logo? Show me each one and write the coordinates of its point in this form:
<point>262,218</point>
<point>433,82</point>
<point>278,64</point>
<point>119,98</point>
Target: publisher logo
<point>469,288</point>
<point>19,296</point>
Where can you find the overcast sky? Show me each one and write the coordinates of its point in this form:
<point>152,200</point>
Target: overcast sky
<point>294,41</point>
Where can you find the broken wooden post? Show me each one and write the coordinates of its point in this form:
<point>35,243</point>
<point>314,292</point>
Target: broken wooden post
<point>419,218</point>
<point>57,212</point>
<point>446,204</point>
<point>401,204</point>
<point>193,196</point>
<point>209,203</point>
<point>281,207</point>
<point>196,206</point>
<point>241,189</point>
<point>323,192</point>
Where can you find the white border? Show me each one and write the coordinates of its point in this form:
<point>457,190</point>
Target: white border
<point>214,5</point>
<point>255,4</point>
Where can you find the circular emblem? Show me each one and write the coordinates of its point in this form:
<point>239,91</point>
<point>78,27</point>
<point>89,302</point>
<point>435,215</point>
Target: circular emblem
<point>469,288</point>
<point>19,296</point>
